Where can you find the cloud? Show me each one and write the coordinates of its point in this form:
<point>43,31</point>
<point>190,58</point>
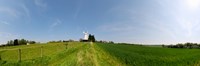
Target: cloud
<point>79,5</point>
<point>40,3</point>
<point>26,11</point>
<point>5,22</point>
<point>117,27</point>
<point>56,23</point>
<point>7,11</point>
<point>13,13</point>
<point>192,4</point>
<point>184,16</point>
<point>155,24</point>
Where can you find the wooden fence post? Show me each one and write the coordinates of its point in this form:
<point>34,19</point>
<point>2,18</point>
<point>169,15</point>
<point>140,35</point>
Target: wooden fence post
<point>66,45</point>
<point>41,51</point>
<point>19,55</point>
<point>0,57</point>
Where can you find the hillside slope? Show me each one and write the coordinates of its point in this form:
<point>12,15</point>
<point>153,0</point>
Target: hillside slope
<point>97,54</point>
<point>57,54</point>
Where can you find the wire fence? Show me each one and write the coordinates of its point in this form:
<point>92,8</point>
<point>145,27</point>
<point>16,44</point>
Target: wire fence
<point>30,52</point>
<point>20,54</point>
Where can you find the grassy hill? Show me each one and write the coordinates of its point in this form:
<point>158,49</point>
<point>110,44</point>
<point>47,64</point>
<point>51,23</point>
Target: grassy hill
<point>96,54</point>
<point>56,54</point>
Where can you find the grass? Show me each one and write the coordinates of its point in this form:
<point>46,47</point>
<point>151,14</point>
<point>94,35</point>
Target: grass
<point>30,51</point>
<point>97,54</point>
<point>155,56</point>
<point>57,54</point>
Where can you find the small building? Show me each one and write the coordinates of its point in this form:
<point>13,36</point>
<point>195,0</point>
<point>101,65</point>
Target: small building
<point>27,44</point>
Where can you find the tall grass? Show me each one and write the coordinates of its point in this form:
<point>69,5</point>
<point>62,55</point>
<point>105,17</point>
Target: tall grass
<point>30,54</point>
<point>152,56</point>
<point>97,54</point>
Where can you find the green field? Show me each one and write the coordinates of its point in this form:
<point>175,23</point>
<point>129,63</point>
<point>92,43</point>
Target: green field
<point>97,54</point>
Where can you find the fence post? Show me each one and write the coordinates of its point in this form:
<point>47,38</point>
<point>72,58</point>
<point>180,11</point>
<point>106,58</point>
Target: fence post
<point>19,55</point>
<point>0,57</point>
<point>41,50</point>
<point>66,45</point>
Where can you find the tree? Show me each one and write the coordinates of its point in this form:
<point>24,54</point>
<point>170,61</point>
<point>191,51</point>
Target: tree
<point>111,42</point>
<point>198,45</point>
<point>11,42</point>
<point>22,42</point>
<point>19,42</point>
<point>32,42</point>
<point>188,45</point>
<point>91,38</point>
<point>16,42</point>
<point>180,45</point>
<point>8,43</point>
<point>163,45</point>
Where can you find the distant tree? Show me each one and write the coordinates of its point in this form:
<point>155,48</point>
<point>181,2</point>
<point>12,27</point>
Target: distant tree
<point>91,38</point>
<point>80,40</point>
<point>170,46</point>
<point>11,42</point>
<point>16,42</point>
<point>180,46</point>
<point>19,42</point>
<point>101,41</point>
<point>32,42</point>
<point>70,40</point>
<point>22,42</point>
<point>163,45</point>
<point>198,45</point>
<point>188,45</point>
<point>59,41</point>
<point>111,42</point>
<point>8,43</point>
<point>185,45</point>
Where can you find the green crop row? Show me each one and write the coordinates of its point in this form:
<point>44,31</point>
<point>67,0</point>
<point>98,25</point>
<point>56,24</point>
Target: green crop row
<point>135,55</point>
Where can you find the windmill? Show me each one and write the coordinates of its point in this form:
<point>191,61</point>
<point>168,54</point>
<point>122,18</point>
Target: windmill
<point>86,35</point>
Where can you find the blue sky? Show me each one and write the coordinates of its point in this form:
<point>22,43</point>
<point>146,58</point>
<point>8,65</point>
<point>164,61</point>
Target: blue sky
<point>130,21</point>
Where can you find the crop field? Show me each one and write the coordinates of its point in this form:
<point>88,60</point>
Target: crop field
<point>96,54</point>
<point>134,55</point>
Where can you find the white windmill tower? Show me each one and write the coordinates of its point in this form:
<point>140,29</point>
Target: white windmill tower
<point>86,35</point>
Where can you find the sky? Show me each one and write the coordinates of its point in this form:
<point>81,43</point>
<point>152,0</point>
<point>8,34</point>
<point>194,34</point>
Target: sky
<point>129,21</point>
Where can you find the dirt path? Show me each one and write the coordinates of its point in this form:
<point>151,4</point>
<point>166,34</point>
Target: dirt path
<point>87,56</point>
<point>80,58</point>
<point>94,55</point>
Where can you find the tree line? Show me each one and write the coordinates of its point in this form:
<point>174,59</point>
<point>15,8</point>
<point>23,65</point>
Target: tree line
<point>183,45</point>
<point>58,41</point>
<point>103,41</point>
<point>19,42</point>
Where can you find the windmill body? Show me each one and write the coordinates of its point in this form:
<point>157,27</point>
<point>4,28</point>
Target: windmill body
<point>86,35</point>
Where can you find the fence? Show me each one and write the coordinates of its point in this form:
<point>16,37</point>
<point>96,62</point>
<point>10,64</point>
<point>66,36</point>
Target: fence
<point>26,53</point>
<point>21,54</point>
